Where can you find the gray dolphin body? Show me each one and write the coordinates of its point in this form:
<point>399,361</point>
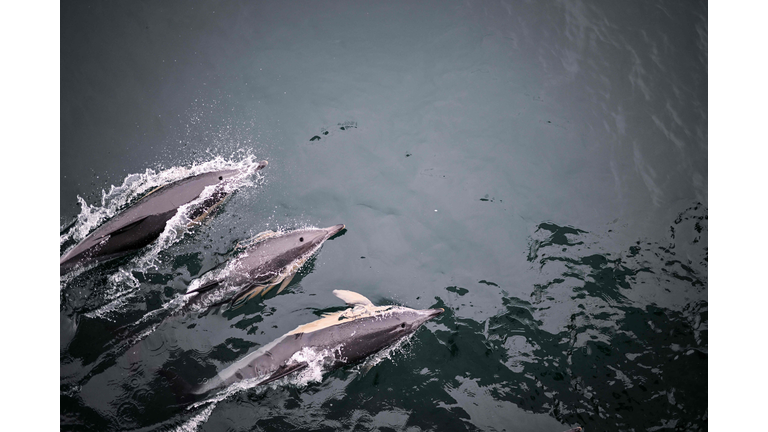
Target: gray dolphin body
<point>143,222</point>
<point>338,339</point>
<point>272,259</point>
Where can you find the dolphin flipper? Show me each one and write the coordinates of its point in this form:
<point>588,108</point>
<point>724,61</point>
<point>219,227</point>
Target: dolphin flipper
<point>246,294</point>
<point>205,287</point>
<point>285,283</point>
<point>264,293</point>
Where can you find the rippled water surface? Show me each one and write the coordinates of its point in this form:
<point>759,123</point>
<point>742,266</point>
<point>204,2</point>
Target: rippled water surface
<point>537,169</point>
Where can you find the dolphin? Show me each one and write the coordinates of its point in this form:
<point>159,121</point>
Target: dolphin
<point>143,222</point>
<point>336,339</point>
<point>271,259</point>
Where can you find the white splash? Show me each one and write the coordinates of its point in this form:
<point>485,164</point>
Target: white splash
<point>192,424</point>
<point>317,363</point>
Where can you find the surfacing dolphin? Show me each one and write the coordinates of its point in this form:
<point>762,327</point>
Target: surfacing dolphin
<point>270,260</point>
<point>336,339</point>
<point>144,221</point>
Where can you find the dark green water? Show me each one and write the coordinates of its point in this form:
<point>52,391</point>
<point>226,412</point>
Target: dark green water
<point>539,170</point>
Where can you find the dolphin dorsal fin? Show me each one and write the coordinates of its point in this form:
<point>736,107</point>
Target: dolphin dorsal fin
<point>352,298</point>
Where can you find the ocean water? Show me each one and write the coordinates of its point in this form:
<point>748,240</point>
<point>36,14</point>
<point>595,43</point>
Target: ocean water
<point>538,169</point>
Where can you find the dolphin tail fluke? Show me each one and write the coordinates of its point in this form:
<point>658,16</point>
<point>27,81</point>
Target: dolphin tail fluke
<point>284,371</point>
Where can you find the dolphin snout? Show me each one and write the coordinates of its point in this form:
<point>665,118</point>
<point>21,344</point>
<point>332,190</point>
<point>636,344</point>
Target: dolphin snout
<point>237,172</point>
<point>435,312</point>
<point>334,229</point>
